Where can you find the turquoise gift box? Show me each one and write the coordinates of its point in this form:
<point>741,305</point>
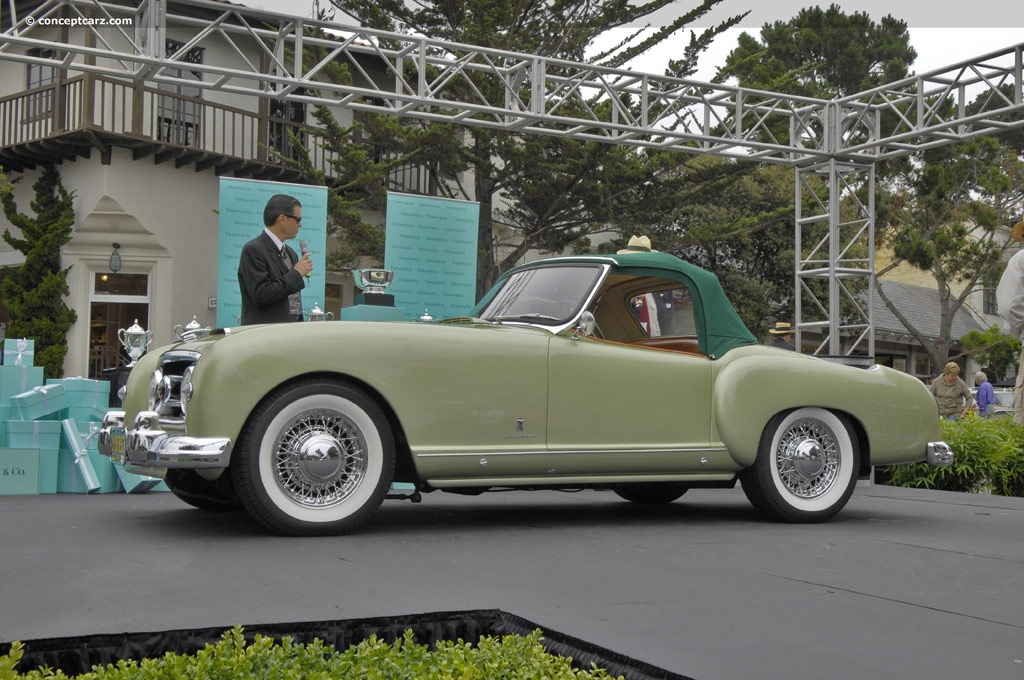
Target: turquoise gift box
<point>39,402</point>
<point>81,468</point>
<point>19,352</point>
<point>15,380</point>
<point>44,435</point>
<point>33,434</point>
<point>134,483</point>
<point>19,472</point>
<point>71,479</point>
<point>84,392</point>
<point>75,470</point>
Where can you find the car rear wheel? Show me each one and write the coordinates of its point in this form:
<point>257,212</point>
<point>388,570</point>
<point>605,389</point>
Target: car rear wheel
<point>652,494</point>
<point>205,494</point>
<point>317,459</point>
<point>806,466</point>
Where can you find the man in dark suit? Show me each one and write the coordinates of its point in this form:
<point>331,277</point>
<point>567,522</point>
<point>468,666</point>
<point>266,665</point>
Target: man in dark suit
<point>270,274</point>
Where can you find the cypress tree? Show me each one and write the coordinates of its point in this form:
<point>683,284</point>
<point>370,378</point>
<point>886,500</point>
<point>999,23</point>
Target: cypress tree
<point>34,292</point>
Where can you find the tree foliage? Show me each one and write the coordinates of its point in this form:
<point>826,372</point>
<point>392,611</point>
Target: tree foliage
<point>364,158</point>
<point>737,221</point>
<point>557,190</point>
<point>34,292</point>
<point>993,349</point>
<point>945,215</point>
<point>822,53</point>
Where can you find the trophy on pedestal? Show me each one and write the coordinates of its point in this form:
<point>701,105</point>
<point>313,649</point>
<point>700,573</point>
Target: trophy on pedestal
<point>374,282</point>
<point>135,341</point>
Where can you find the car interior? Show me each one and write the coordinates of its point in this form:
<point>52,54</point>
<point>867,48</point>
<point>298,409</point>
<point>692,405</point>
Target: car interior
<point>641,311</point>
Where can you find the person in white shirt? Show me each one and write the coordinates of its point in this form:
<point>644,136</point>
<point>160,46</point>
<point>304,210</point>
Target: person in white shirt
<point>1010,298</point>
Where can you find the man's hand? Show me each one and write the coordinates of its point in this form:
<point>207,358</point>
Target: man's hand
<point>304,266</point>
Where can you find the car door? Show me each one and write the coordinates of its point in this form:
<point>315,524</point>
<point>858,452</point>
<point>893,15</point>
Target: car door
<point>617,408</point>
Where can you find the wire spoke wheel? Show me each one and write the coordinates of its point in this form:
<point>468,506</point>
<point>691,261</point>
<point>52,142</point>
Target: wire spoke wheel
<point>317,458</point>
<point>321,458</point>
<point>808,459</point>
<point>806,466</point>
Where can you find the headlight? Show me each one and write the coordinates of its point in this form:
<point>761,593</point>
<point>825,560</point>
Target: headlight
<point>159,389</point>
<point>187,389</point>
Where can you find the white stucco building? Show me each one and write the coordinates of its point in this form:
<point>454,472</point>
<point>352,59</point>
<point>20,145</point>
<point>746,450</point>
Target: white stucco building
<point>143,161</point>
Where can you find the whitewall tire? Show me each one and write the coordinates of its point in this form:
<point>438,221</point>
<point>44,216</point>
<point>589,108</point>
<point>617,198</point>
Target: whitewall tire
<point>806,467</point>
<point>316,458</point>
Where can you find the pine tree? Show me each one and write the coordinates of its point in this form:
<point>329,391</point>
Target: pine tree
<point>34,292</point>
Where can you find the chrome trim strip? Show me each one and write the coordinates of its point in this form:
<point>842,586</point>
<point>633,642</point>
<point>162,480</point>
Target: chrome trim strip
<point>547,452</point>
<point>570,480</point>
<point>179,355</point>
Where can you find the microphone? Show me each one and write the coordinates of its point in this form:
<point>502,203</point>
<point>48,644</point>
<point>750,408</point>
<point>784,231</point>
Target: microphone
<point>304,249</point>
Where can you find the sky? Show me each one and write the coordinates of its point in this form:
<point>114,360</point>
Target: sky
<point>941,31</point>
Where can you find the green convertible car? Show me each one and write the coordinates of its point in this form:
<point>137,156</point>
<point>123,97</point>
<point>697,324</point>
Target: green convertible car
<point>630,373</point>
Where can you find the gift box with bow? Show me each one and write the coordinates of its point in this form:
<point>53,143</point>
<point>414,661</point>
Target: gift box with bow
<point>75,470</point>
<point>15,380</point>
<point>39,402</point>
<point>19,352</point>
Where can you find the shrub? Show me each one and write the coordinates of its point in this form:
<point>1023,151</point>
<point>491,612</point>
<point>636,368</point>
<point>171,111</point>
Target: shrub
<point>1008,479</point>
<point>235,658</point>
<point>989,458</point>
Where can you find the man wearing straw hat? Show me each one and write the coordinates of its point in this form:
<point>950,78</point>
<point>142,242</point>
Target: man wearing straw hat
<point>783,333</point>
<point>1010,298</point>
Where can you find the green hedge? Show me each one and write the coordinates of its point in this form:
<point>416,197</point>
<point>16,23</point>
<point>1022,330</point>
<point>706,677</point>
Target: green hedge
<point>234,658</point>
<point>989,459</point>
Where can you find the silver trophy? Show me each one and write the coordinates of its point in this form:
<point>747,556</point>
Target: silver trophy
<point>135,341</point>
<point>373,281</point>
<point>191,331</point>
<point>317,314</point>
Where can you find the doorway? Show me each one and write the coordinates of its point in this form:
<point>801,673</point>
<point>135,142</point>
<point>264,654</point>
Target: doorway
<point>116,301</point>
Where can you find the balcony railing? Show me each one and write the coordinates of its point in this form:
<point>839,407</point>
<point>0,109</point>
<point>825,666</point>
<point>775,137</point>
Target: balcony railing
<point>152,120</point>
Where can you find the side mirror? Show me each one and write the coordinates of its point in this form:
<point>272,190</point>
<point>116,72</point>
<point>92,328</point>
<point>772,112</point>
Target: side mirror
<point>585,325</point>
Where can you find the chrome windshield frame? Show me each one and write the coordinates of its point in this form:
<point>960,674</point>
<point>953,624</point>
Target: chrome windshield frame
<point>603,267</point>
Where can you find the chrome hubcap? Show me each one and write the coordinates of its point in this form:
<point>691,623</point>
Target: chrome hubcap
<point>808,458</point>
<point>320,458</point>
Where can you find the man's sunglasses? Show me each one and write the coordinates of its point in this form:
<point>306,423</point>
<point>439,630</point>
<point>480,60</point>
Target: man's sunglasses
<point>297,219</point>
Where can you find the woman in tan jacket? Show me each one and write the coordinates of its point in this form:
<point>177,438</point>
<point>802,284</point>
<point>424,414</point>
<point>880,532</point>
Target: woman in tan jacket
<point>951,393</point>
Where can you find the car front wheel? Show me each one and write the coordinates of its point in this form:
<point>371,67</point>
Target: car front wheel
<point>806,466</point>
<point>317,459</point>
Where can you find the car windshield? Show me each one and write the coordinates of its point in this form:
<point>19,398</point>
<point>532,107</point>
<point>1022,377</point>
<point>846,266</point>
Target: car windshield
<point>545,295</point>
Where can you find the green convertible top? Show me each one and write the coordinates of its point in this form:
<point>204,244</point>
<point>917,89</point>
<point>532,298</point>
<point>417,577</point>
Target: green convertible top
<point>719,328</point>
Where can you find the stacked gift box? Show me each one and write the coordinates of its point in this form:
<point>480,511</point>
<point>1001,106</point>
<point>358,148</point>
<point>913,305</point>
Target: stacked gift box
<point>50,432</point>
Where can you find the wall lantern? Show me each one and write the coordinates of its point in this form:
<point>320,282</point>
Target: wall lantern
<point>115,259</point>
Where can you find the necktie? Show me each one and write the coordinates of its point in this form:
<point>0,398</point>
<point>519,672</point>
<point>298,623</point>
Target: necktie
<point>295,299</point>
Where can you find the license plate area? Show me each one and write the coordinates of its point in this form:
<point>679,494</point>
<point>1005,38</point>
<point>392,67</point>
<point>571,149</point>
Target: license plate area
<point>118,441</point>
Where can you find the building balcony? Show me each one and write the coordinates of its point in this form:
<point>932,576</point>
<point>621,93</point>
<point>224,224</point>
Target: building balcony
<point>76,117</point>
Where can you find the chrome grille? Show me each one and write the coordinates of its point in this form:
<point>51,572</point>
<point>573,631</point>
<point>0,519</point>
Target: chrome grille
<point>173,365</point>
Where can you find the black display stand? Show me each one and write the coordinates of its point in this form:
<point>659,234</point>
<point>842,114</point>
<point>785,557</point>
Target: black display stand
<point>118,378</point>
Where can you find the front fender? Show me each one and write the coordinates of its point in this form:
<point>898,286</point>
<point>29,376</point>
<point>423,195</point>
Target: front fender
<point>895,412</point>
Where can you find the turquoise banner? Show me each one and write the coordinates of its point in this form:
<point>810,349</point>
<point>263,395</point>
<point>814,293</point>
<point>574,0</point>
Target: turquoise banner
<point>241,219</point>
<point>431,246</point>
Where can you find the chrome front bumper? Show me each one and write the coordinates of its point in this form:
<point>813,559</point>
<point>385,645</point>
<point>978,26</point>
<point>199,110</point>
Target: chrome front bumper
<point>939,454</point>
<point>147,448</point>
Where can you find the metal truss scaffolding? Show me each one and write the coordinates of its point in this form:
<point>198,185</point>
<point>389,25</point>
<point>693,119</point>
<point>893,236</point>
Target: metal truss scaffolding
<point>834,141</point>
<point>834,257</point>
